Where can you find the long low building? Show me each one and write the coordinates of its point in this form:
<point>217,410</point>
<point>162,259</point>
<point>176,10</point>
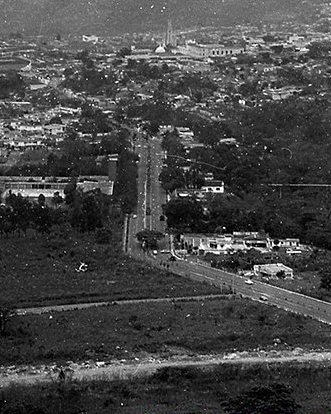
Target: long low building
<point>210,50</point>
<point>32,187</point>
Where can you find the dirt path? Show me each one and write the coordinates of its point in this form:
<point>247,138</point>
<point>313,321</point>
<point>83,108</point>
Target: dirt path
<point>38,310</point>
<point>125,369</point>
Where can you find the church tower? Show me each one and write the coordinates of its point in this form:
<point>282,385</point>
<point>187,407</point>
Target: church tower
<point>170,35</point>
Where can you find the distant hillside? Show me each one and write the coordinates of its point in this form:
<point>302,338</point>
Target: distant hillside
<point>105,17</point>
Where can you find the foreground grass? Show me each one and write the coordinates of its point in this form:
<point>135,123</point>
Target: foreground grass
<point>173,390</point>
<point>162,329</point>
<point>40,270</point>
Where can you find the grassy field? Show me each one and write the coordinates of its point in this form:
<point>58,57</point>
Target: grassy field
<point>162,329</point>
<point>42,270</point>
<point>180,391</point>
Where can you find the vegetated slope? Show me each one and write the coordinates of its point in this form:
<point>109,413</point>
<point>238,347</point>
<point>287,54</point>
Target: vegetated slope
<point>116,16</point>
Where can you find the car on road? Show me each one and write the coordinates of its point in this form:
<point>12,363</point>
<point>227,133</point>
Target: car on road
<point>249,282</point>
<point>134,215</point>
<point>264,298</point>
<point>154,252</point>
<point>148,211</point>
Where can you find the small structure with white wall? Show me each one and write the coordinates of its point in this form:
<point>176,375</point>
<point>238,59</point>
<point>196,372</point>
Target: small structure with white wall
<point>273,271</point>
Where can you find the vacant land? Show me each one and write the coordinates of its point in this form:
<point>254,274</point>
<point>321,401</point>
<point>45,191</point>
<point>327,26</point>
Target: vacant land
<point>44,270</point>
<point>174,390</point>
<point>163,329</point>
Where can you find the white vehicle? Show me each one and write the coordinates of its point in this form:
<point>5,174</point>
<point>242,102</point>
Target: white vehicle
<point>134,216</point>
<point>154,252</point>
<point>293,252</point>
<point>249,282</point>
<point>264,298</point>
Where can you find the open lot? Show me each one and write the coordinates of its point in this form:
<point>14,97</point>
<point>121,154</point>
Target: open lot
<point>162,329</point>
<point>44,270</point>
<point>304,282</point>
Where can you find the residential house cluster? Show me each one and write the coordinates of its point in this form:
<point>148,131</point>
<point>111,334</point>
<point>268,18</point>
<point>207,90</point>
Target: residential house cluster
<point>218,244</point>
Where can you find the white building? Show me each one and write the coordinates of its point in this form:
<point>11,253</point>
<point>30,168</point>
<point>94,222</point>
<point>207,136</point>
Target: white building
<point>210,51</point>
<point>273,271</point>
<point>32,187</point>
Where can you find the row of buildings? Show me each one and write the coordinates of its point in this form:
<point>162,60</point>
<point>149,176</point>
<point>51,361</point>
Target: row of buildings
<point>239,242</point>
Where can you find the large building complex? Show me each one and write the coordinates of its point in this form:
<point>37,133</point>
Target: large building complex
<point>210,50</point>
<point>32,187</point>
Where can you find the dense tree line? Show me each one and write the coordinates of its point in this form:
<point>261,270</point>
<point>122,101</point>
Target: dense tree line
<point>84,211</point>
<point>10,83</point>
<point>90,79</point>
<point>191,84</point>
<point>281,142</point>
<point>142,71</point>
<point>125,189</point>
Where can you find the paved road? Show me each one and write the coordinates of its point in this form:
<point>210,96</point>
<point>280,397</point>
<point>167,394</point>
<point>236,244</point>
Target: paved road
<point>137,222</point>
<point>151,196</point>
<point>272,295</point>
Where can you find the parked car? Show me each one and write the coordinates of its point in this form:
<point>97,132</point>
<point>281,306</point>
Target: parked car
<point>249,282</point>
<point>264,298</point>
<point>148,211</point>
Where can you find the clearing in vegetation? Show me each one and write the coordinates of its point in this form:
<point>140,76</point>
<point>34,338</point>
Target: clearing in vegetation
<point>158,329</point>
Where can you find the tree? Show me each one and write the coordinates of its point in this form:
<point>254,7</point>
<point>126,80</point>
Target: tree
<point>149,238</point>
<point>19,212</point>
<point>42,218</point>
<point>41,200</point>
<point>325,275</point>
<point>7,310</point>
<point>125,51</point>
<point>171,178</point>
<point>274,398</point>
<point>70,191</point>
<point>184,214</point>
<point>57,199</point>
<point>211,133</point>
<point>194,178</point>
<point>151,128</point>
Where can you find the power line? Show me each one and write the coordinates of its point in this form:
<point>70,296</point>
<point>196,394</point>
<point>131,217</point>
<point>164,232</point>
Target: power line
<point>197,162</point>
<point>297,185</point>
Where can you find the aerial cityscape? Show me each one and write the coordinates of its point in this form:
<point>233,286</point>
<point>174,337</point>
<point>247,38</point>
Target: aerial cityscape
<point>165,207</point>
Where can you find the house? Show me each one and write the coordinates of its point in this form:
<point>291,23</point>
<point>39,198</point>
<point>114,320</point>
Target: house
<point>204,243</point>
<point>273,271</point>
<point>226,243</point>
<point>259,242</point>
<point>214,187</point>
<point>54,129</point>
<point>286,243</point>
